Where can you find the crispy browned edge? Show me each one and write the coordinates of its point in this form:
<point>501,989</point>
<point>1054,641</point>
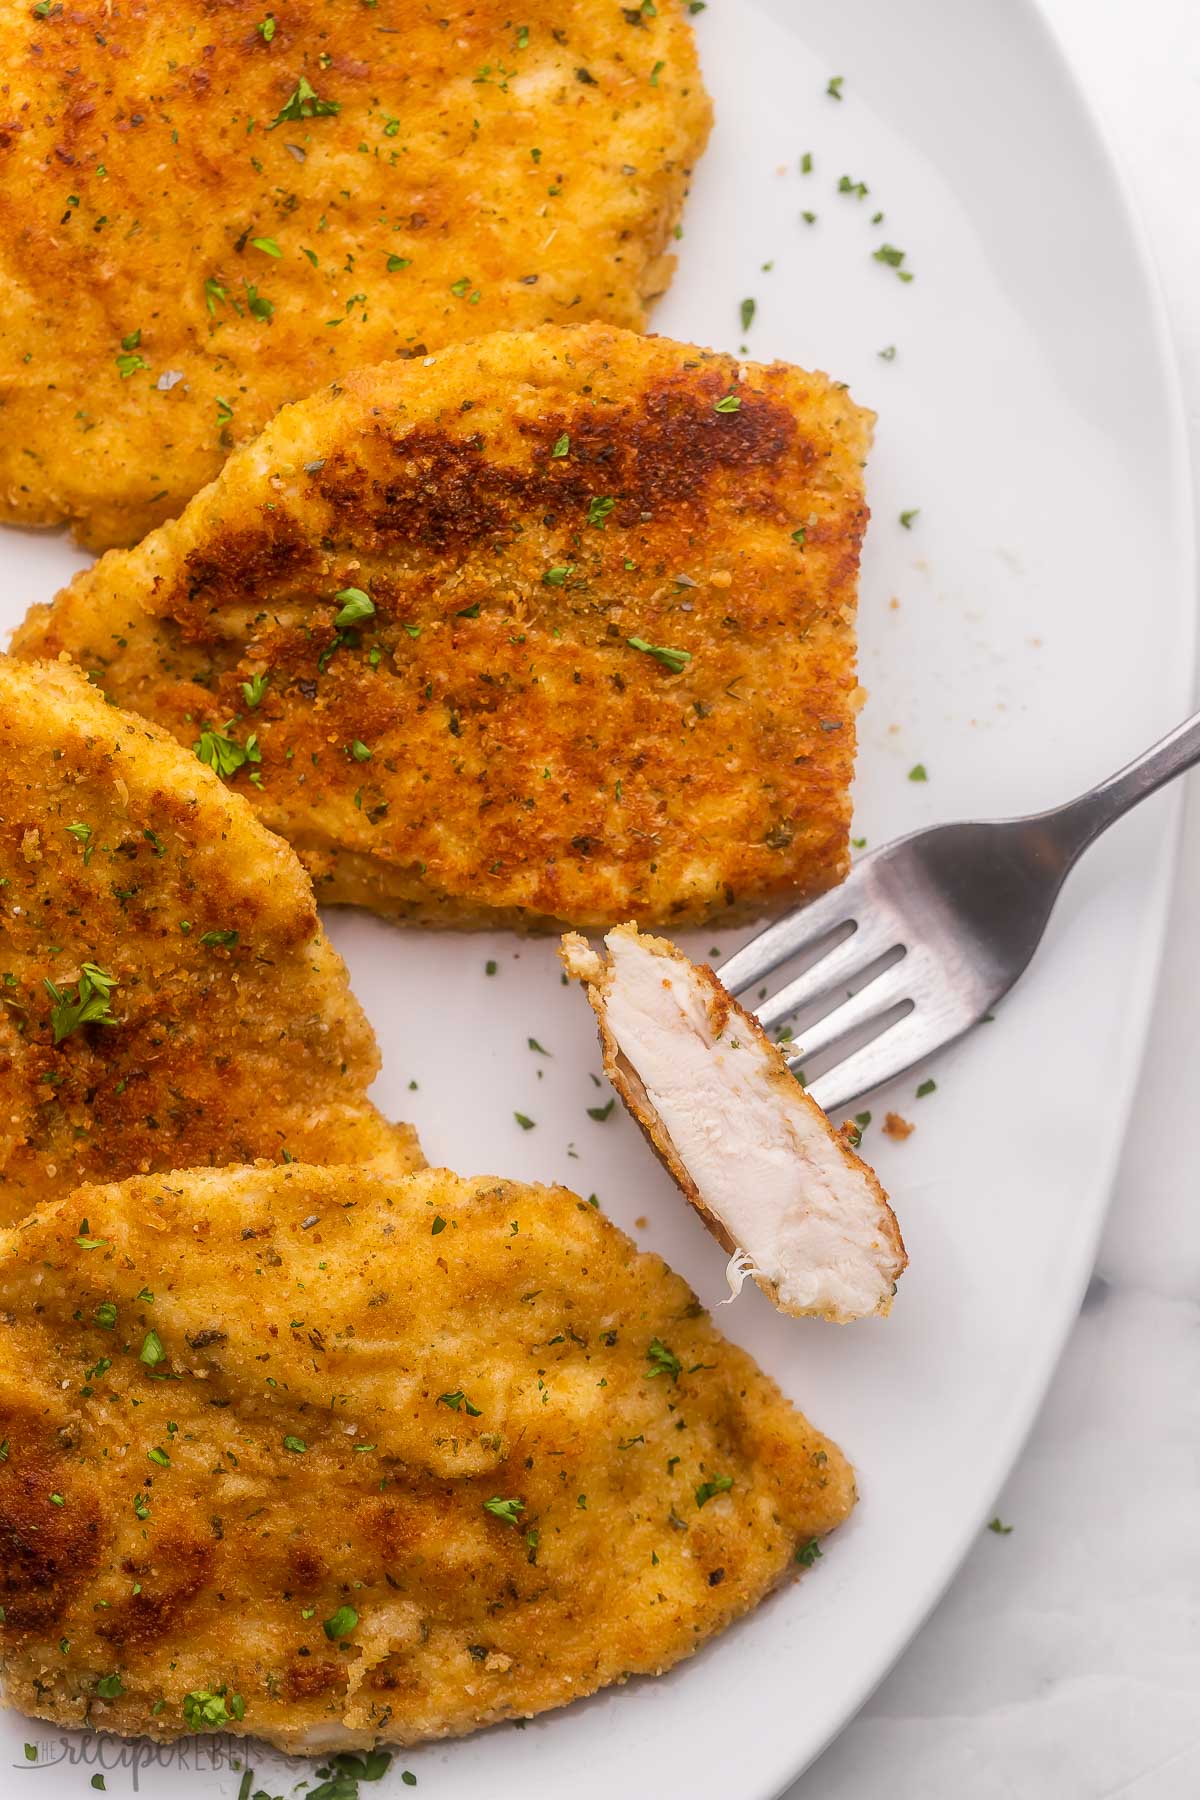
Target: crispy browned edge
<point>580,961</point>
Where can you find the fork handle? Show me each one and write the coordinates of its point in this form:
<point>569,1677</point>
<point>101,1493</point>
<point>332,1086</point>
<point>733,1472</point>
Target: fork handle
<point>1081,821</point>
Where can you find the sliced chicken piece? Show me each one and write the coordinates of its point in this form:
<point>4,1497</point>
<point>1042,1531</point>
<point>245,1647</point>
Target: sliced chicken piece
<point>772,1179</point>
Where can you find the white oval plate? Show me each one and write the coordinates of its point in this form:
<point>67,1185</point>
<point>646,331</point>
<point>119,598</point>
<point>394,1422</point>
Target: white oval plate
<point>1029,631</point>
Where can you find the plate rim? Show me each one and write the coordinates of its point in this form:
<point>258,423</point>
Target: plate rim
<point>1181,508</point>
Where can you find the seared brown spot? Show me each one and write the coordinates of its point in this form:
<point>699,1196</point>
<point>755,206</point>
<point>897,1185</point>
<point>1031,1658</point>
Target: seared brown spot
<point>306,1566</point>
<point>180,1570</point>
<point>47,1552</point>
<point>306,1677</point>
<point>446,493</point>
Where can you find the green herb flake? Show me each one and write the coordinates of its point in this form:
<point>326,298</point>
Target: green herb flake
<point>526,1123</point>
<point>88,1004</point>
<point>598,511</point>
<point>1000,1529</point>
<point>730,404</point>
<point>206,1710</point>
<point>720,1484</point>
<point>807,1554</point>
<point>662,1360</point>
<point>224,754</point>
<point>906,518</point>
<point>355,606</point>
<point>504,1509</point>
<point>562,446</point>
<point>151,1352</point>
<point>926,1087</point>
<point>459,1399</point>
<point>266,28</point>
<point>834,87</point>
<point>918,772</point>
<point>600,1113</point>
<point>675,660</point>
<point>268,246</point>
<point>304,103</point>
<point>340,1624</point>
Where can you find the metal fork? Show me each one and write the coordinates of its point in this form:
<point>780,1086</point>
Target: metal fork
<point>931,931</point>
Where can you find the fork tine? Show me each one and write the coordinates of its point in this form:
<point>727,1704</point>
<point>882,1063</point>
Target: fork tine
<point>900,1046</point>
<point>787,937</point>
<point>888,989</point>
<point>842,963</point>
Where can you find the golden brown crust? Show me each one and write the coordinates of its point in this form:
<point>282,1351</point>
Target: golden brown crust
<point>238,1036</point>
<point>423,1346</point>
<point>487,746</point>
<point>596,974</point>
<point>478,173</point>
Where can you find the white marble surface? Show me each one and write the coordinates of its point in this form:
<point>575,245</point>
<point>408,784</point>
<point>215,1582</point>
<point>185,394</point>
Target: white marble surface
<point>1064,1663</point>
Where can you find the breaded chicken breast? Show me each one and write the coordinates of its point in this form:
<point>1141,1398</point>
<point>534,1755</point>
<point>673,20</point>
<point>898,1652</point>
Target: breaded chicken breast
<point>770,1176</point>
<point>552,627</point>
<point>332,1459</point>
<point>211,209</point>
<point>166,991</point>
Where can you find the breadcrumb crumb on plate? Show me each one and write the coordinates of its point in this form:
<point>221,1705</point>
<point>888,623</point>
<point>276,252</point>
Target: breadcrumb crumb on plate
<point>772,1179</point>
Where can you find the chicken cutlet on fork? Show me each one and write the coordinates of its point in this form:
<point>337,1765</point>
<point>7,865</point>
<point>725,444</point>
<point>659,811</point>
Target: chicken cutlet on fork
<point>551,627</point>
<point>167,994</point>
<point>332,1459</point>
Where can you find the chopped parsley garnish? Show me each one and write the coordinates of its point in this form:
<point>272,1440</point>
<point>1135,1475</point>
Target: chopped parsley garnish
<point>526,1124</point>
<point>395,263</point>
<point>296,1445</point>
<point>266,28</point>
<point>887,354</point>
<point>663,1360</point>
<point>88,1004</point>
<point>598,511</point>
<point>731,403</point>
<point>129,362</point>
<point>340,1624</point>
<point>504,1509</point>
<point>906,518</point>
<point>999,1529</point>
<point>918,772</point>
<point>355,606</point>
<point>109,1687</point>
<point>456,1400</point>
<point>807,1554</point>
<point>359,751</point>
<point>562,445</point>
<point>556,576</point>
<point>600,1113</point>
<point>225,754</point>
<point>260,306</point>
<point>834,87</point>
<point>748,309</point>
<point>304,103</point>
<point>151,1352</point>
<point>675,660</point>
<point>720,1484</point>
<point>219,940</point>
<point>926,1087</point>
<point>106,1315</point>
<point>888,253</point>
<point>268,246</point>
<point>254,689</point>
<point>159,1456</point>
<point>203,1709</point>
<point>806,163</point>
